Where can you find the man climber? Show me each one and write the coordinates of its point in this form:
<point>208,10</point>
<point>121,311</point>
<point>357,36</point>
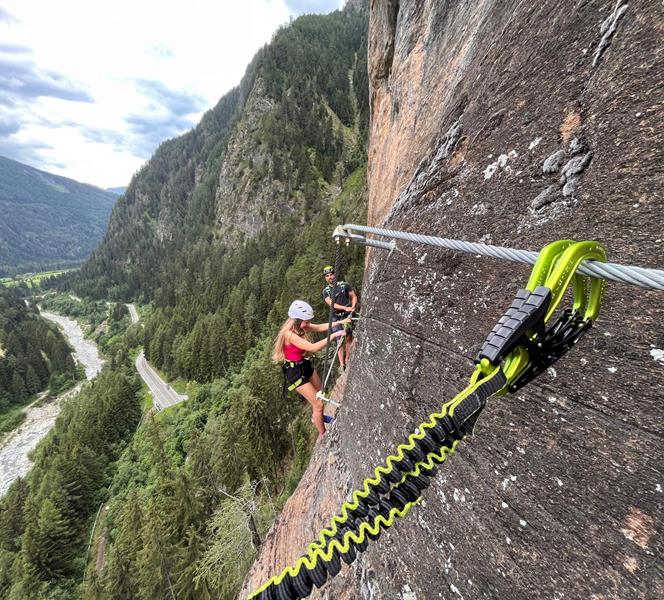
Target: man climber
<point>345,300</point>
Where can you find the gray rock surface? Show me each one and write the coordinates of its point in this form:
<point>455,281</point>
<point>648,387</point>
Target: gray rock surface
<point>559,494</point>
<point>553,163</point>
<point>245,203</point>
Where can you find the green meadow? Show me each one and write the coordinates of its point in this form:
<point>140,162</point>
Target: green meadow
<point>31,280</point>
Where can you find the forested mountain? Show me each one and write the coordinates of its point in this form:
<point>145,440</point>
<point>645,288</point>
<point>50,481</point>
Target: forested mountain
<point>33,353</point>
<point>219,232</point>
<point>44,519</point>
<point>277,146</point>
<point>48,221</point>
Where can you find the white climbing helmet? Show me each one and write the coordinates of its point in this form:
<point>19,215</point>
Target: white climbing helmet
<point>301,310</point>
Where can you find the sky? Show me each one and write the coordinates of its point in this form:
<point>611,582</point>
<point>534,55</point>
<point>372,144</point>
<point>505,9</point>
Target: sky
<point>88,90</point>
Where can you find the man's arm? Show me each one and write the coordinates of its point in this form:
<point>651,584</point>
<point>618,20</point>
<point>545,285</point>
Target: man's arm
<point>353,300</point>
<point>327,297</point>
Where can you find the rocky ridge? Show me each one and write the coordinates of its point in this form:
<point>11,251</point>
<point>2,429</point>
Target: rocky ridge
<point>248,195</point>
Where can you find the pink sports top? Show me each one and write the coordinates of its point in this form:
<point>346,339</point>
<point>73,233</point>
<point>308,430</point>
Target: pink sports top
<point>293,353</point>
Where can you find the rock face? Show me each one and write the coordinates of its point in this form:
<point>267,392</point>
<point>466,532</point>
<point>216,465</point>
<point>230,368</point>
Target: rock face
<point>241,197</point>
<point>514,124</point>
<point>248,196</point>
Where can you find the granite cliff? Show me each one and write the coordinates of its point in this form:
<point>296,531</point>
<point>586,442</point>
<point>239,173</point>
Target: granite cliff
<point>515,124</point>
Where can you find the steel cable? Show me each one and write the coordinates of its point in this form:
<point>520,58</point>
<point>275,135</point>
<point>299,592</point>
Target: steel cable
<point>643,277</point>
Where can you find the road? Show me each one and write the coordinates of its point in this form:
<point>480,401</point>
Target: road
<point>163,395</point>
<point>133,313</point>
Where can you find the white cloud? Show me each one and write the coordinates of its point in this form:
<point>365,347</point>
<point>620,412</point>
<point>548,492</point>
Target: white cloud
<point>94,86</point>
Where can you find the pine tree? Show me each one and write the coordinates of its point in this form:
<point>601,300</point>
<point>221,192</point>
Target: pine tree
<point>36,361</point>
<point>121,577</point>
<point>32,383</point>
<point>152,560</point>
<point>7,559</point>
<point>48,542</point>
<point>93,588</point>
<point>12,521</point>
<point>19,392</point>
<point>60,357</point>
<point>186,586</point>
<point>82,475</point>
<point>26,585</point>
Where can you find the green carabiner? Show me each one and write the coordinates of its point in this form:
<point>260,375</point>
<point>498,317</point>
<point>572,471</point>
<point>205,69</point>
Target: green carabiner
<point>588,291</point>
<point>552,274</point>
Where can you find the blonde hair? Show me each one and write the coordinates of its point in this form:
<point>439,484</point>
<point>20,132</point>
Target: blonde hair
<point>289,326</point>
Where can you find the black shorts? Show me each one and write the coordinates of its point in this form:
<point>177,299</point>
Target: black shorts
<point>297,374</point>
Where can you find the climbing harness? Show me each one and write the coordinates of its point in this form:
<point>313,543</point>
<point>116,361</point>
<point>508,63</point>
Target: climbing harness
<point>304,370</point>
<point>522,344</point>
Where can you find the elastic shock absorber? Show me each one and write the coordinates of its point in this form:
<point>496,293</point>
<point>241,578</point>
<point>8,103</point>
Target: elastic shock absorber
<point>391,493</point>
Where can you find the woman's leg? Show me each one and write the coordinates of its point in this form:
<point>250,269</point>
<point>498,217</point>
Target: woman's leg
<point>309,392</point>
<point>315,381</point>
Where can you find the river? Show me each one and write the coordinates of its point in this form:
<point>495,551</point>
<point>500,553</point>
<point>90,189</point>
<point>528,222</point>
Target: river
<point>14,449</point>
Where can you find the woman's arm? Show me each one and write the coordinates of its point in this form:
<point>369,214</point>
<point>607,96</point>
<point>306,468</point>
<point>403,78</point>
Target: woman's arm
<point>353,300</point>
<point>303,344</point>
<point>316,327</point>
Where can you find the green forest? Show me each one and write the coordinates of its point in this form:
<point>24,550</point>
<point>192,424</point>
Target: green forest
<point>180,500</point>
<point>34,356</point>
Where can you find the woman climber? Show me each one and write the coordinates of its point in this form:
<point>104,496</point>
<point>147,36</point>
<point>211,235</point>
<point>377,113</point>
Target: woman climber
<point>292,344</point>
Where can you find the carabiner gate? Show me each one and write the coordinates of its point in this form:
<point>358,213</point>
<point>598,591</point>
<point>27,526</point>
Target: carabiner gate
<point>522,340</point>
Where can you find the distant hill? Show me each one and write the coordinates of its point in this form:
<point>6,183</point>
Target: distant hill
<point>47,221</point>
<point>118,191</point>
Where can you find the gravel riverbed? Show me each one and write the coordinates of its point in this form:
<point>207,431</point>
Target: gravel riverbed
<point>14,449</point>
